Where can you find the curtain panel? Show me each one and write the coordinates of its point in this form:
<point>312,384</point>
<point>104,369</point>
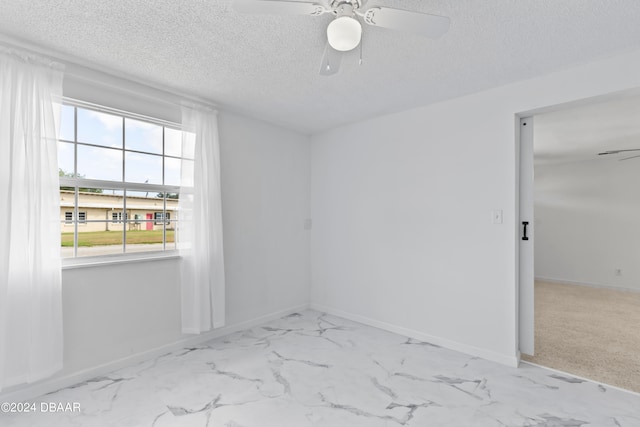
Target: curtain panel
<point>30,267</point>
<point>200,223</point>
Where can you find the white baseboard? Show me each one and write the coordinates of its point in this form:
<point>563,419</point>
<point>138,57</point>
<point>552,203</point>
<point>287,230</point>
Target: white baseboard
<point>587,284</point>
<point>31,391</point>
<point>421,336</point>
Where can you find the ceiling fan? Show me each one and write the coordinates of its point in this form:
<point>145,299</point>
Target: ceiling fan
<point>344,33</point>
<point>621,151</point>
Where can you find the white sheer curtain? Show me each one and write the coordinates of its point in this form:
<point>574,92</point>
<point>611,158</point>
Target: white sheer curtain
<point>200,223</point>
<point>30,277</point>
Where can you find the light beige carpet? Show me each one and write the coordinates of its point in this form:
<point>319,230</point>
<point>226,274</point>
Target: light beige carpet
<point>590,332</point>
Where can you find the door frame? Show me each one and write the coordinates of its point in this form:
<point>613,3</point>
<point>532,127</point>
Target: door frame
<point>526,259</point>
<point>518,174</point>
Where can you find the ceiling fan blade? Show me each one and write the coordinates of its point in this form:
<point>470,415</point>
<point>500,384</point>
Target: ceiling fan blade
<point>632,157</point>
<point>617,151</point>
<point>279,7</point>
<point>330,61</point>
<point>423,24</point>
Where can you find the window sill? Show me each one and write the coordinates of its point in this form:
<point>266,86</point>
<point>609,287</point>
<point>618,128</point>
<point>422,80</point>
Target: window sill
<point>73,263</point>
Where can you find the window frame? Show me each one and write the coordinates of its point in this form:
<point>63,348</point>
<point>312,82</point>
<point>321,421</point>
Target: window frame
<point>82,217</point>
<point>160,218</point>
<point>77,183</point>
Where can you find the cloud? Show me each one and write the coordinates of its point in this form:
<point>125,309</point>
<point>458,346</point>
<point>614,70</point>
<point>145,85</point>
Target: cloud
<point>110,122</point>
<point>143,136</point>
<point>100,163</point>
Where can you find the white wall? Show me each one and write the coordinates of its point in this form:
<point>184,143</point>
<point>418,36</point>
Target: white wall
<point>265,201</point>
<point>117,311</point>
<point>402,205</point>
<point>587,218</point>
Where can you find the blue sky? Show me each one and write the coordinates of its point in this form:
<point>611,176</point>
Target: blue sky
<point>105,163</point>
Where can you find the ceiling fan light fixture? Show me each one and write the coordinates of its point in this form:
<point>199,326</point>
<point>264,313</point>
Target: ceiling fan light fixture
<point>344,33</point>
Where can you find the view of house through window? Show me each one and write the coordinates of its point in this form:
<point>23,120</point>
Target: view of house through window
<point>119,182</point>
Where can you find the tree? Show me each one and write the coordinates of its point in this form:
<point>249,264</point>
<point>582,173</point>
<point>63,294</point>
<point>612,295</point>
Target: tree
<point>169,195</point>
<point>63,174</point>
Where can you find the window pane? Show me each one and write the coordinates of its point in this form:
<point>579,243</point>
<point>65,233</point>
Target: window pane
<point>141,209</point>
<point>98,238</point>
<point>172,142</point>
<point>66,123</point>
<point>99,128</point>
<point>172,205</point>
<point>172,171</point>
<point>99,163</point>
<point>67,202</point>
<point>143,136</point>
<point>171,235</point>
<point>66,239</point>
<point>147,196</point>
<point>145,229</point>
<point>142,202</point>
<point>65,159</point>
<point>67,227</point>
<point>147,237</point>
<point>170,220</point>
<point>99,204</point>
<point>143,168</point>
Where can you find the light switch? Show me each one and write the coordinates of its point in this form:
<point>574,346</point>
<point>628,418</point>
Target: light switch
<point>496,216</point>
<point>308,224</point>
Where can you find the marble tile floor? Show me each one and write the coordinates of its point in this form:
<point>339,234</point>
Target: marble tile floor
<point>314,369</point>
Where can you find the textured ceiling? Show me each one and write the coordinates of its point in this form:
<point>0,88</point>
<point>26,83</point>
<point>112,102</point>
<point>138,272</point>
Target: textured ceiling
<point>267,66</point>
<point>579,134</point>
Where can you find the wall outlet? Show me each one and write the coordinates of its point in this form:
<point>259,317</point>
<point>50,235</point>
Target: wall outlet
<point>308,224</point>
<point>618,272</point>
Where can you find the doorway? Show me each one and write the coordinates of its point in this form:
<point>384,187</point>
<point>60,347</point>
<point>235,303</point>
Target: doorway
<point>580,262</point>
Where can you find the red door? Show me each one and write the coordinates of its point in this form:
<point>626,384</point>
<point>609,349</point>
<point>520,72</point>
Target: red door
<point>149,223</point>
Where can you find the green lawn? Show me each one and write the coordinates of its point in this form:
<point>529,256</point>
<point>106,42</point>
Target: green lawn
<point>104,238</point>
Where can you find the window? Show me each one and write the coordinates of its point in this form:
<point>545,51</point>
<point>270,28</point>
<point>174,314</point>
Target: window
<point>68,217</point>
<point>115,166</point>
<point>116,217</point>
<point>159,218</point>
